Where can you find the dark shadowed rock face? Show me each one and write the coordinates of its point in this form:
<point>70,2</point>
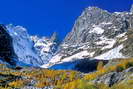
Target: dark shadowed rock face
<point>82,65</point>
<point>87,66</point>
<point>6,48</point>
<point>111,78</point>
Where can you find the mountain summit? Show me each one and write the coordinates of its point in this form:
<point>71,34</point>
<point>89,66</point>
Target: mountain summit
<point>97,34</point>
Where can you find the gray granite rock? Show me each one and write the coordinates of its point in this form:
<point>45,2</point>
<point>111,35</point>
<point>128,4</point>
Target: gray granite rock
<point>114,77</point>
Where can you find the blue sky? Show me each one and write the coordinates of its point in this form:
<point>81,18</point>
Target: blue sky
<point>43,17</point>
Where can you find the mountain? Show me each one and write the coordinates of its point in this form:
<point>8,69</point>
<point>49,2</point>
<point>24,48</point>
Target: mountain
<point>30,50</point>
<point>97,34</point>
<point>45,47</point>
<point>99,48</point>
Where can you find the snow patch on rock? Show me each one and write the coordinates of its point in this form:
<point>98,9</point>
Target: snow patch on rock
<point>58,58</point>
<point>109,42</point>
<point>79,55</point>
<point>113,53</point>
<point>97,29</point>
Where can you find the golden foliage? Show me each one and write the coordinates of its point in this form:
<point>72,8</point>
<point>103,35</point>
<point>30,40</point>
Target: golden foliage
<point>100,65</point>
<point>41,84</point>
<point>65,79</point>
<point>17,83</point>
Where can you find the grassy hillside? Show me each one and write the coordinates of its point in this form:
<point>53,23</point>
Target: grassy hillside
<point>61,79</point>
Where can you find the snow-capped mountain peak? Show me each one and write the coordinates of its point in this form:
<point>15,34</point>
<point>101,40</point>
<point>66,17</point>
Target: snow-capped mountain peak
<point>97,34</point>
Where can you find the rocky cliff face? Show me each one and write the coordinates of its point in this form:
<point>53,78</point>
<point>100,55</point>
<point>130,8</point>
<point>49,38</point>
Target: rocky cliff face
<point>7,53</point>
<point>98,30</point>
<point>45,47</point>
<point>23,46</point>
<point>95,22</point>
<point>30,50</point>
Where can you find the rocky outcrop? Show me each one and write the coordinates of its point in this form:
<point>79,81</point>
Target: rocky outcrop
<point>115,77</point>
<point>110,78</point>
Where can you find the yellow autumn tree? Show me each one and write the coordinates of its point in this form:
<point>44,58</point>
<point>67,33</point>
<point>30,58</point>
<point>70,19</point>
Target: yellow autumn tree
<point>100,65</point>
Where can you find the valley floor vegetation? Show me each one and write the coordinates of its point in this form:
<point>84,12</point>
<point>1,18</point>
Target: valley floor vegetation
<point>62,79</point>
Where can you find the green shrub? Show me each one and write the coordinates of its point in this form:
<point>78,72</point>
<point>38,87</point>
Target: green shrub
<point>129,64</point>
<point>119,69</point>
